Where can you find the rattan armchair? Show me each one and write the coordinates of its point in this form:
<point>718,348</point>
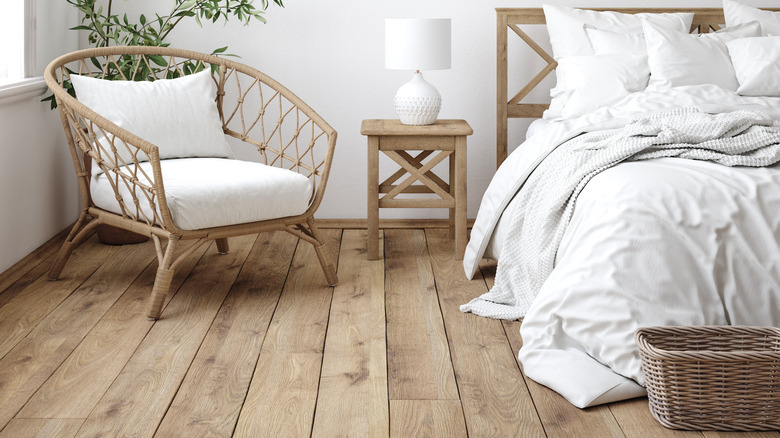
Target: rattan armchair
<point>253,108</point>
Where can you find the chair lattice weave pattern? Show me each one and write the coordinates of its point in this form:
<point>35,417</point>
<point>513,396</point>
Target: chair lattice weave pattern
<point>277,127</point>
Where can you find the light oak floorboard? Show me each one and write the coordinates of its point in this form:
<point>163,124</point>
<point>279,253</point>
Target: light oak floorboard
<point>281,399</point>
<point>419,364</point>
<point>559,417</point>
<point>352,398</point>
<point>25,368</point>
<point>301,318</point>
<point>213,391</point>
<point>22,313</point>
<point>255,343</point>
<point>43,255</point>
<point>61,331</point>
<point>42,428</point>
<point>439,418</point>
<point>25,280</point>
<point>637,422</point>
<point>495,399</point>
<point>139,397</point>
<point>716,434</point>
<point>21,282</point>
<point>77,385</point>
<point>87,305</point>
<point>283,390</point>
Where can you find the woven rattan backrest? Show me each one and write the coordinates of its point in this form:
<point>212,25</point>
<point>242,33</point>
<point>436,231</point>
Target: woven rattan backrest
<point>254,109</point>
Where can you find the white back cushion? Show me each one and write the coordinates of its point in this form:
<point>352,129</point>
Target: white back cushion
<point>178,115</point>
<point>739,13</point>
<point>678,58</point>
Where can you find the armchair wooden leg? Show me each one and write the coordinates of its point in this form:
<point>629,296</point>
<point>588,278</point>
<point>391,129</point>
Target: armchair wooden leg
<point>59,263</point>
<point>76,235</point>
<point>162,281</point>
<point>327,266</point>
<point>161,285</point>
<point>222,246</point>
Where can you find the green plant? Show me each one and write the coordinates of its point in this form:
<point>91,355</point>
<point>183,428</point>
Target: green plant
<point>107,28</point>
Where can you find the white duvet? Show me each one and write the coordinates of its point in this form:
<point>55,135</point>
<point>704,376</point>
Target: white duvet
<point>659,242</point>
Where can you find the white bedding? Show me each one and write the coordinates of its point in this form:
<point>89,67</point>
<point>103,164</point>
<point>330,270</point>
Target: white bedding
<point>536,126</point>
<point>493,249</point>
<point>661,242</point>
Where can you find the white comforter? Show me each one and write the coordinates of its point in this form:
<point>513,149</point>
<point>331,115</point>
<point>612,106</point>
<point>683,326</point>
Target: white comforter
<point>660,242</point>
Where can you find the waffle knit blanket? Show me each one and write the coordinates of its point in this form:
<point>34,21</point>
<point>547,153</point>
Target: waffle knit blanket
<point>548,197</point>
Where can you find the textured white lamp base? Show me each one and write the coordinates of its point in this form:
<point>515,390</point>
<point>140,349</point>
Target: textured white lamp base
<point>417,102</point>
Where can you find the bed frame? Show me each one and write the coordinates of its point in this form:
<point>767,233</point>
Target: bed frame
<point>704,20</point>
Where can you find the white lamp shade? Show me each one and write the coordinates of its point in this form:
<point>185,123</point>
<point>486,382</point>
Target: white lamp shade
<point>417,43</point>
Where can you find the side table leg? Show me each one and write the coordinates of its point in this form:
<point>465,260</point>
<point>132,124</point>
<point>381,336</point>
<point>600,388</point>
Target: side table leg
<point>461,202</point>
<point>373,198</point>
<point>453,184</point>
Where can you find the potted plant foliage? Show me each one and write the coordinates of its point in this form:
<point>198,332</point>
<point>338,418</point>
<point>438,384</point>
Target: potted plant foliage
<point>107,28</point>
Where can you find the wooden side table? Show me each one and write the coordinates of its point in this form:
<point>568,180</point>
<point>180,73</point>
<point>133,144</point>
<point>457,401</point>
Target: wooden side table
<point>445,138</point>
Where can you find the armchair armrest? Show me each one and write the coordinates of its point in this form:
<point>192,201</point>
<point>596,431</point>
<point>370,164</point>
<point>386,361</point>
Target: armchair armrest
<point>286,131</point>
<point>108,149</point>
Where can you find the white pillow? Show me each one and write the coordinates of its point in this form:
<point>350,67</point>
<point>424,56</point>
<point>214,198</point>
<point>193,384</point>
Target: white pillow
<point>178,115</point>
<point>565,26</point>
<point>757,65</point>
<point>739,13</point>
<point>605,42</point>
<point>557,100</point>
<point>592,82</point>
<point>567,33</point>
<point>678,58</point>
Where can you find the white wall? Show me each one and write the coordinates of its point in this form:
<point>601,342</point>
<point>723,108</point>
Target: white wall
<point>331,54</point>
<point>38,192</point>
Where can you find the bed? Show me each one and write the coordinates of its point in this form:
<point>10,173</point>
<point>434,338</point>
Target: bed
<point>682,228</point>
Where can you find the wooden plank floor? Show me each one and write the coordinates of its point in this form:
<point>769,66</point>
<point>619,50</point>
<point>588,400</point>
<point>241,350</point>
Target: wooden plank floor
<point>254,343</point>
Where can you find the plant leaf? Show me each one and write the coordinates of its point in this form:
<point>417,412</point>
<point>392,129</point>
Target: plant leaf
<point>159,60</point>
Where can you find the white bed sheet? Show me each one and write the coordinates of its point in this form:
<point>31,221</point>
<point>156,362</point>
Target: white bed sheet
<point>640,251</point>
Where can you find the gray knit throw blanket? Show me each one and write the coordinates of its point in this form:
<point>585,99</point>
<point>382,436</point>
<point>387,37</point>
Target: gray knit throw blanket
<point>548,197</point>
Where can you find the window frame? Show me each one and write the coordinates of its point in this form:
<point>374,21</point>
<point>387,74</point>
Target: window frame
<point>30,84</point>
<point>30,43</point>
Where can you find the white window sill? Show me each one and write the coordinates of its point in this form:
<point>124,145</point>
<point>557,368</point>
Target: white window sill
<point>22,89</point>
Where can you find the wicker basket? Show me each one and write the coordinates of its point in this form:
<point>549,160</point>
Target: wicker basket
<point>712,377</point>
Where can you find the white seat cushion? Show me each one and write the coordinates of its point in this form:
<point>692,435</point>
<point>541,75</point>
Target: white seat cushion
<point>213,192</point>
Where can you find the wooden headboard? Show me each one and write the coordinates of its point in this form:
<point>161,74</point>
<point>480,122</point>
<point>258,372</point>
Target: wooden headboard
<point>704,20</point>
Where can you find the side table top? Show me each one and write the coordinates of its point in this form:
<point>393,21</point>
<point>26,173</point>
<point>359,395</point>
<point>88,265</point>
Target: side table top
<point>395,127</point>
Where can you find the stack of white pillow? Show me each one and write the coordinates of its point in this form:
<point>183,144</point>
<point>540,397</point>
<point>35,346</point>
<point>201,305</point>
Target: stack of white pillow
<point>604,56</point>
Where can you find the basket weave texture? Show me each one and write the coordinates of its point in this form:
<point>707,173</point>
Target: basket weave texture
<point>712,377</point>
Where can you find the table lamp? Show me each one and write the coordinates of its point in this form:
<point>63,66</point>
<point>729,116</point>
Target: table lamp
<point>417,44</point>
